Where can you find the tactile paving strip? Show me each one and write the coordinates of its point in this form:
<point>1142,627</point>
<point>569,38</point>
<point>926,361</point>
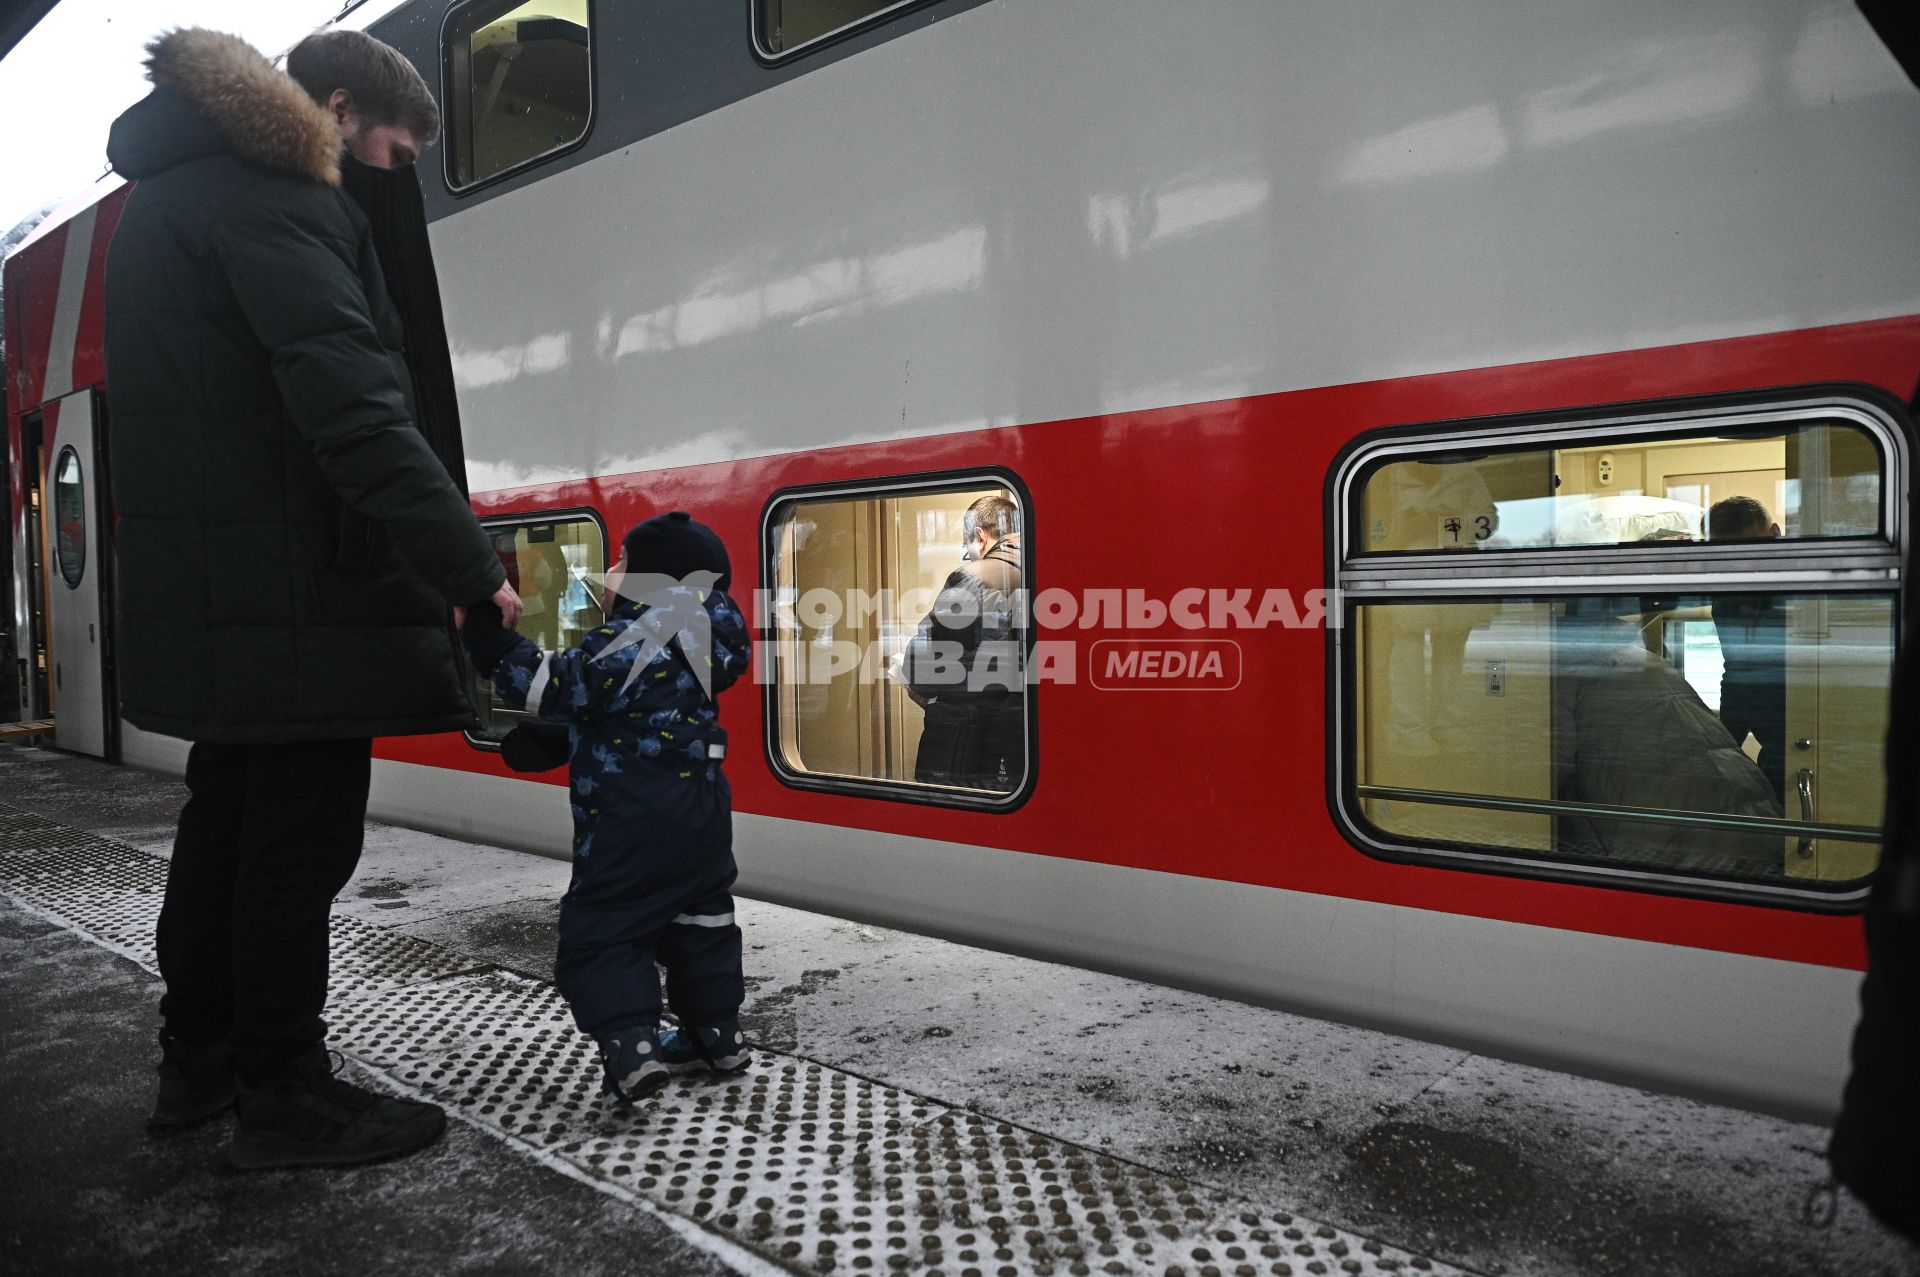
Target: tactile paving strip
<point>505,1049</point>
<point>367,961</point>
<point>114,892</point>
<point>24,832</point>
<point>109,891</point>
<point>816,1169</point>
<point>968,1195</point>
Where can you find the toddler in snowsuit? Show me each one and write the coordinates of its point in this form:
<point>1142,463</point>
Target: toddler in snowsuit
<point>652,812</point>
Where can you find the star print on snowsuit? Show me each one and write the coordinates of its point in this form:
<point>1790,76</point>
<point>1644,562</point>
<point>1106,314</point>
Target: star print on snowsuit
<point>652,809</point>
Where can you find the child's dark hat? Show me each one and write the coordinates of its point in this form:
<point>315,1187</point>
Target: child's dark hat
<point>676,544</point>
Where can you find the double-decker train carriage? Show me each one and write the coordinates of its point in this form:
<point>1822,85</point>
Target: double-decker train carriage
<point>1460,464</point>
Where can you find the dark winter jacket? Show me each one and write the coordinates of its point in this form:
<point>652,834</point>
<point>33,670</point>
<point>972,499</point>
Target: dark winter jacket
<point>1876,1141</point>
<point>968,648</point>
<point>1630,732</point>
<point>636,712</point>
<point>965,666</point>
<point>289,545</point>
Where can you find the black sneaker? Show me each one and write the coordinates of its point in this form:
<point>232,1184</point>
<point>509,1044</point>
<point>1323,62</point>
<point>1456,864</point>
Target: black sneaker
<point>196,1083</point>
<point>312,1118</point>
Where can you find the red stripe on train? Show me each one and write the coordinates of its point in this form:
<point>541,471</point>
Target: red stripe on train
<point>1228,494</point>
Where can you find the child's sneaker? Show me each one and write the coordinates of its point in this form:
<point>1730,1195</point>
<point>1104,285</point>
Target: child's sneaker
<point>632,1060</point>
<point>721,1049</point>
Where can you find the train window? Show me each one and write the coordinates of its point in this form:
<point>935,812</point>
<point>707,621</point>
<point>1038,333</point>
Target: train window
<point>785,27</point>
<point>1700,705</point>
<point>70,518</point>
<point>898,653</point>
<point>556,565</point>
<point>1802,480</point>
<point>518,84</point>
<point>1601,729</point>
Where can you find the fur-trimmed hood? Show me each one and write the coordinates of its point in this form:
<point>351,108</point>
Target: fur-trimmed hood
<point>240,103</point>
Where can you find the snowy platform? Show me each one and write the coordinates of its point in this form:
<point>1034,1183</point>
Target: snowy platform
<point>916,1106</point>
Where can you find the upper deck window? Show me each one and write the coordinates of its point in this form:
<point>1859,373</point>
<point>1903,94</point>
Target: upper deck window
<point>518,82</point>
<point>1819,479</point>
<point>782,28</point>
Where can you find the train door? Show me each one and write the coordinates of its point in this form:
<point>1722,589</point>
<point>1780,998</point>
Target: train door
<point>1836,712</point>
<point>1838,659</point>
<point>74,570</point>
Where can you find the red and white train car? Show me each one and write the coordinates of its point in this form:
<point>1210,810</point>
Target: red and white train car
<point>1466,316</point>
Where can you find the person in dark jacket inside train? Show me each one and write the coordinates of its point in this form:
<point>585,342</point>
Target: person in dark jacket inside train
<point>965,664</point>
<point>1752,629</point>
<point>292,553</point>
<point>1630,732</point>
<point>633,711</point>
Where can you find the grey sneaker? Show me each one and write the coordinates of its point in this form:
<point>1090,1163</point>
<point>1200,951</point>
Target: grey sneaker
<point>312,1118</point>
<point>196,1083</point>
<point>720,1048</point>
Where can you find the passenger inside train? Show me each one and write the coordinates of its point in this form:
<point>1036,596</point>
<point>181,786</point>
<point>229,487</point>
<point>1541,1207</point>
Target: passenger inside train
<point>1752,630</point>
<point>963,667</point>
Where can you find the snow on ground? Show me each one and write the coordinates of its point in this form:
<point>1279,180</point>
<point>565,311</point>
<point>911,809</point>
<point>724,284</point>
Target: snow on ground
<point>1496,1166</point>
<point>85,1189</point>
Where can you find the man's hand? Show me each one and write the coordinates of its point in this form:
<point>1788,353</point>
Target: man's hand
<point>509,604</point>
<point>505,599</point>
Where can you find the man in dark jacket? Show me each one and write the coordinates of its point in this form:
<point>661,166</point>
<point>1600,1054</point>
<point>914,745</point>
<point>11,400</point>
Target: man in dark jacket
<point>289,547</point>
<point>965,665</point>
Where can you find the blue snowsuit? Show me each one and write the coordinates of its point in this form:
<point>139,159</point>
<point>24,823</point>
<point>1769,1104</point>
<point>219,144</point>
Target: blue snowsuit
<point>652,812</point>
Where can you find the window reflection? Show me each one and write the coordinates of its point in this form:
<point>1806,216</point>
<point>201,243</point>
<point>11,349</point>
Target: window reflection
<point>519,83</point>
<point>1815,480</point>
<point>1632,731</point>
<point>556,566</point>
<point>785,25</point>
<point>70,518</point>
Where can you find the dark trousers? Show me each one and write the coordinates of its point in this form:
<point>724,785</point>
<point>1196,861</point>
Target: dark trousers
<point>975,746</point>
<point>655,889</point>
<point>269,836</point>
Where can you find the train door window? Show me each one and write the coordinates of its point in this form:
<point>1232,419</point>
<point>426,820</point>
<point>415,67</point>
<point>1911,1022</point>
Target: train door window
<point>70,518</point>
<point>33,656</point>
<point>897,658</point>
<point>783,28</point>
<point>518,84</point>
<point>556,564</point>
<point>1656,648</point>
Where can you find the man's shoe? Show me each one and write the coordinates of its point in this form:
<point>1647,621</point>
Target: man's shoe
<point>631,1058</point>
<point>312,1118</point>
<point>721,1048</point>
<point>196,1083</point>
